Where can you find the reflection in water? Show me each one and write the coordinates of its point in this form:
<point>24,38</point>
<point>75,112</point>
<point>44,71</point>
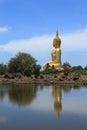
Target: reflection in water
<point>1,95</point>
<point>57,94</point>
<point>3,91</point>
<point>22,94</point>
<point>18,94</point>
<point>40,114</point>
<point>67,88</point>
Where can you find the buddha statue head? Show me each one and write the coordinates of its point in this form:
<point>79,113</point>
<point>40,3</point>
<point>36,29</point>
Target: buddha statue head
<point>57,41</point>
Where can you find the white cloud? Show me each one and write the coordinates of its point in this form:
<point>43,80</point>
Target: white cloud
<point>35,44</point>
<point>76,41</point>
<point>4,29</point>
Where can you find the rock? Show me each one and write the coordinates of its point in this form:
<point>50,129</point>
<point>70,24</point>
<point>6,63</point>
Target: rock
<point>9,76</point>
<point>76,77</point>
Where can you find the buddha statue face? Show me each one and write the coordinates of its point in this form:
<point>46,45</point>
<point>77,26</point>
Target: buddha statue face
<point>56,44</point>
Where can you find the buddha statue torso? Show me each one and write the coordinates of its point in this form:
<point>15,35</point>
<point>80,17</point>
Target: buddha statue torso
<point>55,55</point>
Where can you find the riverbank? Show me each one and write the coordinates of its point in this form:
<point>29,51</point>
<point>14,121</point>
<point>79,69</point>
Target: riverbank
<point>51,79</point>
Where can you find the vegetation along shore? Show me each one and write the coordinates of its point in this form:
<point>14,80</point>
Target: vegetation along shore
<point>23,68</point>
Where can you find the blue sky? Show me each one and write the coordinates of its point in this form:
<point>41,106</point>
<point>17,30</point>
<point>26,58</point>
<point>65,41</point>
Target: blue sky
<point>30,26</point>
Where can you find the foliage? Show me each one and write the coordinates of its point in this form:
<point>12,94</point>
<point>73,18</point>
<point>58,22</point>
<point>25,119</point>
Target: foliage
<point>47,66</point>
<point>3,69</point>
<point>85,83</point>
<point>41,77</point>
<point>77,69</point>
<point>66,68</point>
<point>85,68</point>
<point>36,69</point>
<point>17,75</point>
<point>50,71</point>
<point>66,64</point>
<point>23,63</point>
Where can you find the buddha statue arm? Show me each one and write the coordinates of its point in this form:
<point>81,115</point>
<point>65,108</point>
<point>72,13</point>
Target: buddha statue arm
<point>53,55</point>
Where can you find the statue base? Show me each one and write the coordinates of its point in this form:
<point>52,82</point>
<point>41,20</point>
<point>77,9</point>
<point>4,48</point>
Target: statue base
<point>51,64</point>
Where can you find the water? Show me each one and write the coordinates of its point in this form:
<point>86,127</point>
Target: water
<point>25,107</point>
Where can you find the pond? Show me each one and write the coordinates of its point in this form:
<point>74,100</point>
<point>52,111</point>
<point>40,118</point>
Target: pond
<point>43,107</point>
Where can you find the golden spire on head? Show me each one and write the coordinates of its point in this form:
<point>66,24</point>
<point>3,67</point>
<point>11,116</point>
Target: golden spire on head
<point>57,33</point>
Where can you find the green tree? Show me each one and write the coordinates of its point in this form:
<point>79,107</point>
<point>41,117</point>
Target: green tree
<point>77,69</point>
<point>36,69</point>
<point>47,66</point>
<point>23,63</point>
<point>66,67</point>
<point>85,68</point>
<point>3,69</point>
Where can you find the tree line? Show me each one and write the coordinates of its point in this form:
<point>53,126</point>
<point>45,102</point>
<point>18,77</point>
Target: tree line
<point>26,65</point>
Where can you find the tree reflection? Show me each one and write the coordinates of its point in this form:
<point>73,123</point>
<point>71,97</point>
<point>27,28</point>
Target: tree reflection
<point>57,95</point>
<point>67,88</point>
<point>1,95</point>
<point>22,94</point>
<point>3,91</point>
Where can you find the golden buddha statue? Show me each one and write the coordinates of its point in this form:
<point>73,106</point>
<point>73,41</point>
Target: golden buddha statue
<point>56,54</point>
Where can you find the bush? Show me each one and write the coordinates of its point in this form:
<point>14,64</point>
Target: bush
<point>85,83</point>
<point>3,69</point>
<point>17,75</point>
<point>41,77</point>
<point>66,68</point>
<point>77,69</point>
<point>23,63</point>
<point>85,68</point>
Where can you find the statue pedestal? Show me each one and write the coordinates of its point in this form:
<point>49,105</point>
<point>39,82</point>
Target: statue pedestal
<point>51,64</point>
<point>56,66</point>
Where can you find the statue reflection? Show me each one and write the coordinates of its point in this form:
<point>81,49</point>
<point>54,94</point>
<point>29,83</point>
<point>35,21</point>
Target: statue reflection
<point>57,95</point>
<point>22,95</point>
